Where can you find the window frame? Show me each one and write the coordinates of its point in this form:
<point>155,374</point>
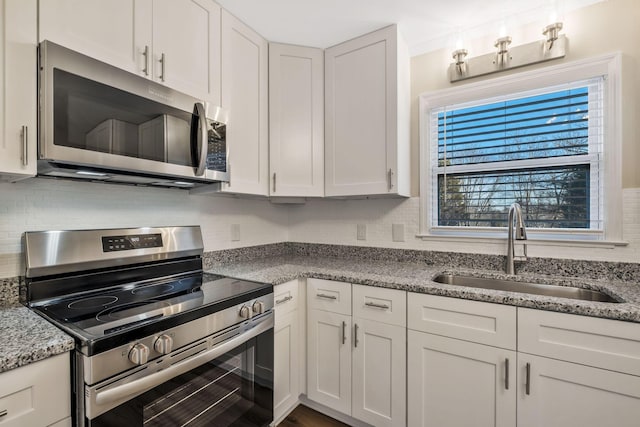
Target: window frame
<point>608,66</point>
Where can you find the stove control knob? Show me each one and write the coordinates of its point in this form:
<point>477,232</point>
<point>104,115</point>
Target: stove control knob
<point>245,312</point>
<point>258,307</point>
<point>139,354</point>
<point>163,344</point>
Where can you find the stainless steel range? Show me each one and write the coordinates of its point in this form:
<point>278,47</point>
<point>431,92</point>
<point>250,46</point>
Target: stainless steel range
<point>158,342</point>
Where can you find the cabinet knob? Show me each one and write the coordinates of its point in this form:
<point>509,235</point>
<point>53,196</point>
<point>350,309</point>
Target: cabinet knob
<point>139,354</point>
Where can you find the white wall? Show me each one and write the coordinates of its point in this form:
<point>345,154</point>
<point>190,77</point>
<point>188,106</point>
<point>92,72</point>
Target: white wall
<point>45,204</point>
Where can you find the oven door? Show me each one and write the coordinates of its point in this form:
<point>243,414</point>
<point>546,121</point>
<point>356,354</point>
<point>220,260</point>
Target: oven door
<point>229,384</point>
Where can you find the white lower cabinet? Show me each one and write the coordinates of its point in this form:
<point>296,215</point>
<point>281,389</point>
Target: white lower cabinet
<point>577,370</point>
<point>379,373</point>
<point>461,363</point>
<point>357,365</point>
<point>38,394</point>
<point>560,394</point>
<point>458,383</point>
<point>569,370</point>
<point>287,354</point>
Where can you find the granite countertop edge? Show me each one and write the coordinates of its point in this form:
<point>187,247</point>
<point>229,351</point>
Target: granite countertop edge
<point>28,338</point>
<point>415,277</point>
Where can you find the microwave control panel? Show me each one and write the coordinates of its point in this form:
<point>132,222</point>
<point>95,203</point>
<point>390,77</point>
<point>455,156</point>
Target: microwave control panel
<point>126,243</point>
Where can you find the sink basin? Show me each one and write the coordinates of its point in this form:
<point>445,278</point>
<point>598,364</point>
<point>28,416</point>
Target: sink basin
<point>524,287</point>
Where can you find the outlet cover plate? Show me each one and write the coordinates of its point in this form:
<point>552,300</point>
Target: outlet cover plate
<point>362,232</point>
<point>397,232</point>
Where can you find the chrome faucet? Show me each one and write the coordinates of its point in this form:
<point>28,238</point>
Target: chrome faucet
<point>520,234</point>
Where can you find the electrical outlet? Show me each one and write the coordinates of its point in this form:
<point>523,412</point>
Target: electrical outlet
<point>397,232</point>
<point>362,232</point>
<point>235,232</point>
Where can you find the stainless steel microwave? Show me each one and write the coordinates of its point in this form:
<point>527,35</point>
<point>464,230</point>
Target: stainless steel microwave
<point>101,123</point>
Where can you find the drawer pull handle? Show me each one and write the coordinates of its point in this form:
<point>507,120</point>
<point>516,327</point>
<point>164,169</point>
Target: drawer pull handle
<point>283,300</point>
<point>528,380</point>
<point>3,413</point>
<point>326,296</point>
<point>344,332</point>
<point>373,304</point>
<point>506,374</point>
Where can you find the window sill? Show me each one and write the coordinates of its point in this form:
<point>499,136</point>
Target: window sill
<point>531,241</point>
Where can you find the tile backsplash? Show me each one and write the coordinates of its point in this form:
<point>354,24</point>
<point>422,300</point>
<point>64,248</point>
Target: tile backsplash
<point>48,204</point>
<point>45,204</point>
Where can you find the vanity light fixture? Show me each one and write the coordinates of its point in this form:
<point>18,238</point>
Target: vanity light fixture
<point>459,55</point>
<point>551,32</point>
<point>502,44</point>
<point>554,46</point>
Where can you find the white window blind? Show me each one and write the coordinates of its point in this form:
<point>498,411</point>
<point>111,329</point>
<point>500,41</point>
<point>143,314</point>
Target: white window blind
<point>542,149</point>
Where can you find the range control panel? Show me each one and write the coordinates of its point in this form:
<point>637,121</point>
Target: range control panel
<point>126,243</point>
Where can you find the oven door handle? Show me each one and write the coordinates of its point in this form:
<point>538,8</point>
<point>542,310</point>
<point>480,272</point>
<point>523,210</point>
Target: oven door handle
<point>201,139</point>
<point>147,383</point>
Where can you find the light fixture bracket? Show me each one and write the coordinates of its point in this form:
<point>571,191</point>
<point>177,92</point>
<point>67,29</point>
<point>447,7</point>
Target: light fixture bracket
<point>508,58</point>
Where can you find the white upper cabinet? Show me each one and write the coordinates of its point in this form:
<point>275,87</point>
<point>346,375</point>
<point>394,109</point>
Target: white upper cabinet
<point>114,31</point>
<point>186,46</point>
<point>174,42</point>
<point>245,96</point>
<point>367,116</point>
<point>18,72</point>
<point>296,121</point>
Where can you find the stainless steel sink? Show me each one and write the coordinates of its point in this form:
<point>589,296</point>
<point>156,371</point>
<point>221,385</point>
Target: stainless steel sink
<point>524,287</point>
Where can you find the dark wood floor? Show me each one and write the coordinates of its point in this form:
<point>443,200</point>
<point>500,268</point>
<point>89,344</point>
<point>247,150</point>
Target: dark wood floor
<point>307,417</point>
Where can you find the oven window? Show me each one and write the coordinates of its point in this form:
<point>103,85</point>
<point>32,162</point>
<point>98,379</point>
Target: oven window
<point>233,390</point>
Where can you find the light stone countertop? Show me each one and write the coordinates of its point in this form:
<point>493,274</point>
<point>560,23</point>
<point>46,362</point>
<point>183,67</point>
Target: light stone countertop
<point>27,337</point>
<point>417,277</point>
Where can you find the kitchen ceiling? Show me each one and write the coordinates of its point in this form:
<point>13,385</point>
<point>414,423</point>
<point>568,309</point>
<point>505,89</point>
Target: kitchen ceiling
<point>427,25</point>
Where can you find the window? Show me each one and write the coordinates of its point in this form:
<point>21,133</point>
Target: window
<point>542,146</point>
<point>540,150</point>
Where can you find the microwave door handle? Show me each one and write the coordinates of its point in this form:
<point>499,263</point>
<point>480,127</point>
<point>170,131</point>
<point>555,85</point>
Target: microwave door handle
<point>147,383</point>
<point>201,138</point>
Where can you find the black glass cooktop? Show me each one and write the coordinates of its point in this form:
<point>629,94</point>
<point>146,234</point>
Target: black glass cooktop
<point>135,309</point>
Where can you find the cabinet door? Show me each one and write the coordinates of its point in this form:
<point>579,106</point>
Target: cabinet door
<point>329,362</point>
<point>18,72</point>
<point>244,94</point>
<point>456,383</point>
<point>361,115</point>
<point>114,31</point>
<point>286,362</point>
<point>567,394</point>
<point>186,46</point>
<point>296,121</point>
<point>379,373</point>
<point>38,394</point>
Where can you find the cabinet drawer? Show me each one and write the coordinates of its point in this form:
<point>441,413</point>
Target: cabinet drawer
<point>328,295</point>
<point>285,297</point>
<point>36,394</point>
<point>380,304</point>
<point>603,343</point>
<point>481,322</point>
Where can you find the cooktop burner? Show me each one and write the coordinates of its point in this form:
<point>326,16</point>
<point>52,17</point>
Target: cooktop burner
<point>154,290</point>
<point>116,300</point>
<point>92,302</point>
